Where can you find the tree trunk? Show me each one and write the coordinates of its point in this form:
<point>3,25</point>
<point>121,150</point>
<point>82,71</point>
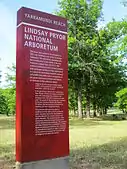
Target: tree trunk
<point>94,110</point>
<point>98,112</point>
<point>74,111</point>
<point>80,115</point>
<point>101,111</point>
<point>7,113</point>
<point>105,110</point>
<point>87,105</point>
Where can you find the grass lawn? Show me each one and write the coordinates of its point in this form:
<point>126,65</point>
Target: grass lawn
<point>94,144</point>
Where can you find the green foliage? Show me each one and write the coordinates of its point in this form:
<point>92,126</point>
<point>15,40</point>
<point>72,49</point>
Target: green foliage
<point>72,100</point>
<point>10,91</point>
<point>122,100</point>
<point>8,95</point>
<point>83,39</point>
<point>3,104</point>
<point>96,56</point>
<point>11,76</point>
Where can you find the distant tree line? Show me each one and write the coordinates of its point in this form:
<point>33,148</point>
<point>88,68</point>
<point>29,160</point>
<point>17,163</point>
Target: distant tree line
<point>8,93</point>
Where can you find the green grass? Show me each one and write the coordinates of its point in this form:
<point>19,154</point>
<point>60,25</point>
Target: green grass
<point>7,142</point>
<point>98,144</point>
<point>94,144</point>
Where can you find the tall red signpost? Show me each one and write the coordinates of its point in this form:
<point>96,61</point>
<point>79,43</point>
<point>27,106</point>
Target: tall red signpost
<point>42,134</point>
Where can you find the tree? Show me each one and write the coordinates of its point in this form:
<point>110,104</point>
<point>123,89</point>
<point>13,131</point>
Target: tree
<point>3,104</point>
<point>72,97</point>
<point>11,77</point>
<point>113,76</point>
<point>122,100</point>
<point>10,91</point>
<point>82,24</point>
<point>96,67</point>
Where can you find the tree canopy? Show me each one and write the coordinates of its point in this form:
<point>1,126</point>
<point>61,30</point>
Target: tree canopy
<point>96,71</point>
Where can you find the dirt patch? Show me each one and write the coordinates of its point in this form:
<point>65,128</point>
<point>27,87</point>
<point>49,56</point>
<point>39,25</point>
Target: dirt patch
<point>4,164</point>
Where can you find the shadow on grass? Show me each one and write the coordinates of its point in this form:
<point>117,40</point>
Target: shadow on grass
<point>75,122</point>
<point>114,117</point>
<point>7,122</point>
<point>112,155</point>
<point>7,152</point>
<point>7,156</point>
<point>79,123</point>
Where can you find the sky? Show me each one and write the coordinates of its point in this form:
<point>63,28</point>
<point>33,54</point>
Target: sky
<point>8,14</point>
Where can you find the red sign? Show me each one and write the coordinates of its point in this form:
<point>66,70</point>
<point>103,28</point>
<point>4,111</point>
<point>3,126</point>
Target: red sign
<point>41,86</point>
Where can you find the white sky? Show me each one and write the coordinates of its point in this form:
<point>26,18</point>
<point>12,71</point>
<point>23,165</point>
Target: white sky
<point>7,39</point>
